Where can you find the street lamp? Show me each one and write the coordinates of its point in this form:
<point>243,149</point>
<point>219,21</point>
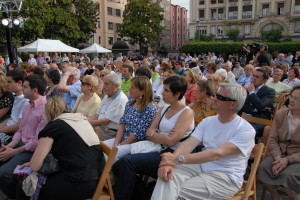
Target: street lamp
<point>7,7</point>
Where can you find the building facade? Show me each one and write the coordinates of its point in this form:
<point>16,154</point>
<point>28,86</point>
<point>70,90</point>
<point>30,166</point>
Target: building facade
<point>179,28</point>
<point>110,17</point>
<point>249,16</point>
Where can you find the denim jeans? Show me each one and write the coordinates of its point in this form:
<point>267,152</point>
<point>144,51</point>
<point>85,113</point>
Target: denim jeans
<point>128,167</point>
<point>8,181</point>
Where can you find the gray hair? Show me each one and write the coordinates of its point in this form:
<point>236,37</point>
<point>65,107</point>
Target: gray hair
<point>115,79</point>
<point>222,72</point>
<point>235,92</point>
<point>77,74</point>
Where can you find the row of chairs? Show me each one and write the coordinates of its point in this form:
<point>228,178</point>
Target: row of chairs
<point>104,189</point>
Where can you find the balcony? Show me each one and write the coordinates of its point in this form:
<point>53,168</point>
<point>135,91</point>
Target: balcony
<point>247,15</point>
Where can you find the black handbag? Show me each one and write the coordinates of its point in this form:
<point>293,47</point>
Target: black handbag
<point>50,165</point>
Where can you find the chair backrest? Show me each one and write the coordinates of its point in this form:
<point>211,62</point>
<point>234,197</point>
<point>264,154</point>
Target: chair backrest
<point>279,101</point>
<point>257,120</point>
<point>104,179</point>
<point>257,150</point>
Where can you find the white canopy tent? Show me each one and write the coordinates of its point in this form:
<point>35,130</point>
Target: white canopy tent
<point>95,48</point>
<point>47,45</point>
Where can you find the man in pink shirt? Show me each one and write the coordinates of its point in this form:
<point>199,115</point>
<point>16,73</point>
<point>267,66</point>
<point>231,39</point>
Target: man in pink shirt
<point>24,141</point>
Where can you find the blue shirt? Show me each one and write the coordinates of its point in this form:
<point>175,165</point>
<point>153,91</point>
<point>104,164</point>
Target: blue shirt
<point>136,121</point>
<point>17,110</point>
<point>71,96</point>
<point>243,80</point>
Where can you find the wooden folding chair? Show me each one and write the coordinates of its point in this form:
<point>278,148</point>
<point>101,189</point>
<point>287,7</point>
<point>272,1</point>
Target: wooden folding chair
<point>104,189</point>
<point>279,101</point>
<point>249,187</point>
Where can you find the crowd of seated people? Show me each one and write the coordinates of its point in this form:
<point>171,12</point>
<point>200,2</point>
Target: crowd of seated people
<point>179,104</point>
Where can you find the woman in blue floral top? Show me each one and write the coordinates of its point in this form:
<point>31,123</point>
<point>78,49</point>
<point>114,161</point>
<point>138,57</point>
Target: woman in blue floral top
<point>137,118</point>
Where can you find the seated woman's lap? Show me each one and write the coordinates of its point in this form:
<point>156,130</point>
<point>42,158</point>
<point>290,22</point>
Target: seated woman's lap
<point>123,150</point>
<point>58,188</point>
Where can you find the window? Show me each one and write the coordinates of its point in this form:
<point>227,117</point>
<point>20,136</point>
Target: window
<point>297,7</point>
<point>232,14</point>
<point>247,29</point>
<point>272,26</point>
<point>99,40</point>
<point>201,15</point>
<point>202,30</point>
<point>99,24</point>
<point>220,1</point>
<point>110,25</point>
<point>213,1</point>
<point>201,2</point>
<point>265,10</point>
<point>110,40</point>
<point>247,12</point>
<point>118,39</point>
<point>118,12</point>
<point>220,30</point>
<point>214,14</point>
<point>280,9</point>
<point>232,1</point>
<point>220,14</point>
<point>178,27</point>
<point>109,10</point>
<point>297,26</point>
<point>233,26</point>
<point>213,30</point>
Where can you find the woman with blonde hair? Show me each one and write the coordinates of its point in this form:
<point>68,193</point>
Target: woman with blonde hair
<point>88,102</point>
<point>73,142</point>
<point>191,93</point>
<point>6,99</point>
<point>137,118</point>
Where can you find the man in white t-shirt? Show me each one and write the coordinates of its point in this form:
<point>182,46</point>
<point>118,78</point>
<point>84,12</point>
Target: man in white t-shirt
<point>217,171</point>
<point>111,108</point>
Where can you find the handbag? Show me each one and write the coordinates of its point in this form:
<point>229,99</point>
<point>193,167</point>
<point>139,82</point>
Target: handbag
<point>29,184</point>
<point>145,146</point>
<point>50,165</point>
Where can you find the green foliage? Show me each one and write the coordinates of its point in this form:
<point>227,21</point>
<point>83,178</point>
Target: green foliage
<point>204,38</point>
<point>57,19</point>
<point>272,36</point>
<point>234,47</point>
<point>233,34</point>
<point>142,22</point>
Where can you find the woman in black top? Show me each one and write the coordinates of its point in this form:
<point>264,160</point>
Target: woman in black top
<point>79,155</point>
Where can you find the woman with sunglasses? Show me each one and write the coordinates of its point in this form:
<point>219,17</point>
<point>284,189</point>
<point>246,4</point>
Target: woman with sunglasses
<point>88,102</point>
<point>282,166</point>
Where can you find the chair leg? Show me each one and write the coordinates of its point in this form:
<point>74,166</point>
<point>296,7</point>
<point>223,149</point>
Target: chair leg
<point>254,189</point>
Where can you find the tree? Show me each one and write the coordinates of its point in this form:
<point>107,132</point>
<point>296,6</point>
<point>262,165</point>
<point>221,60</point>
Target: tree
<point>233,34</point>
<point>142,22</point>
<point>71,21</point>
<point>204,38</point>
<point>272,36</point>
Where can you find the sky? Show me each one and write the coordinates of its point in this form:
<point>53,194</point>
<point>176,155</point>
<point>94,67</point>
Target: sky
<point>183,3</point>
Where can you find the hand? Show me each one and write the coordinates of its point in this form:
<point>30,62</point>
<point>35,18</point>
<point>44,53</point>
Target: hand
<point>7,153</point>
<point>168,159</point>
<point>166,173</point>
<point>172,132</point>
<point>250,87</point>
<point>279,164</point>
<point>71,70</point>
<point>24,165</point>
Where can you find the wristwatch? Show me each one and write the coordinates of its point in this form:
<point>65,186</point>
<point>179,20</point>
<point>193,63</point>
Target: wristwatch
<point>181,159</point>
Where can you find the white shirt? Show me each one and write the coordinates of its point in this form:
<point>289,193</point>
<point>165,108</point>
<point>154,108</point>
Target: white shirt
<point>213,133</point>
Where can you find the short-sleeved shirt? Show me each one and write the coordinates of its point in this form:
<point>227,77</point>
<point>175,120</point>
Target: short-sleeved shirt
<point>136,121</point>
<point>213,133</point>
<point>243,80</point>
<point>17,110</point>
<point>180,73</point>
<point>71,96</point>
<point>87,108</point>
<point>112,108</point>
<point>77,161</point>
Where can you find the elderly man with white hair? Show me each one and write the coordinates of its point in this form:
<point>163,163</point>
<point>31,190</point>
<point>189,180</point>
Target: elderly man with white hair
<point>70,84</point>
<point>230,76</point>
<point>217,171</point>
<point>111,108</point>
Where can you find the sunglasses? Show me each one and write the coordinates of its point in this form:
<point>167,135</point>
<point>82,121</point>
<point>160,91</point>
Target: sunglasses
<point>83,83</point>
<point>222,98</point>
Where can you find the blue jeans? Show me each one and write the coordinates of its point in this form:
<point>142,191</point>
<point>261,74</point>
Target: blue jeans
<point>8,181</point>
<point>128,167</point>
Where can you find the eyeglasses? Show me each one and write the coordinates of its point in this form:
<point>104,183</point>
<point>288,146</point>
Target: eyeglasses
<point>222,98</point>
<point>291,97</point>
<point>83,83</point>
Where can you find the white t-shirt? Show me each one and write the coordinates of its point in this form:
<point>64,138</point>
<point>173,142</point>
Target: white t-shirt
<point>212,133</point>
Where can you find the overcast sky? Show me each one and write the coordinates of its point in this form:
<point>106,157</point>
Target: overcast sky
<point>183,3</point>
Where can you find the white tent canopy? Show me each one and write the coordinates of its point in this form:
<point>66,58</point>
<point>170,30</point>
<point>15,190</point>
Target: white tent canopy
<point>95,48</point>
<point>46,45</point>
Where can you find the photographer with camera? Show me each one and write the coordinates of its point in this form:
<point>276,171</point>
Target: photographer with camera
<point>263,56</point>
<point>248,53</point>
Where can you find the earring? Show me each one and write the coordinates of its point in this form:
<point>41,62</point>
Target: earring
<point>141,96</point>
